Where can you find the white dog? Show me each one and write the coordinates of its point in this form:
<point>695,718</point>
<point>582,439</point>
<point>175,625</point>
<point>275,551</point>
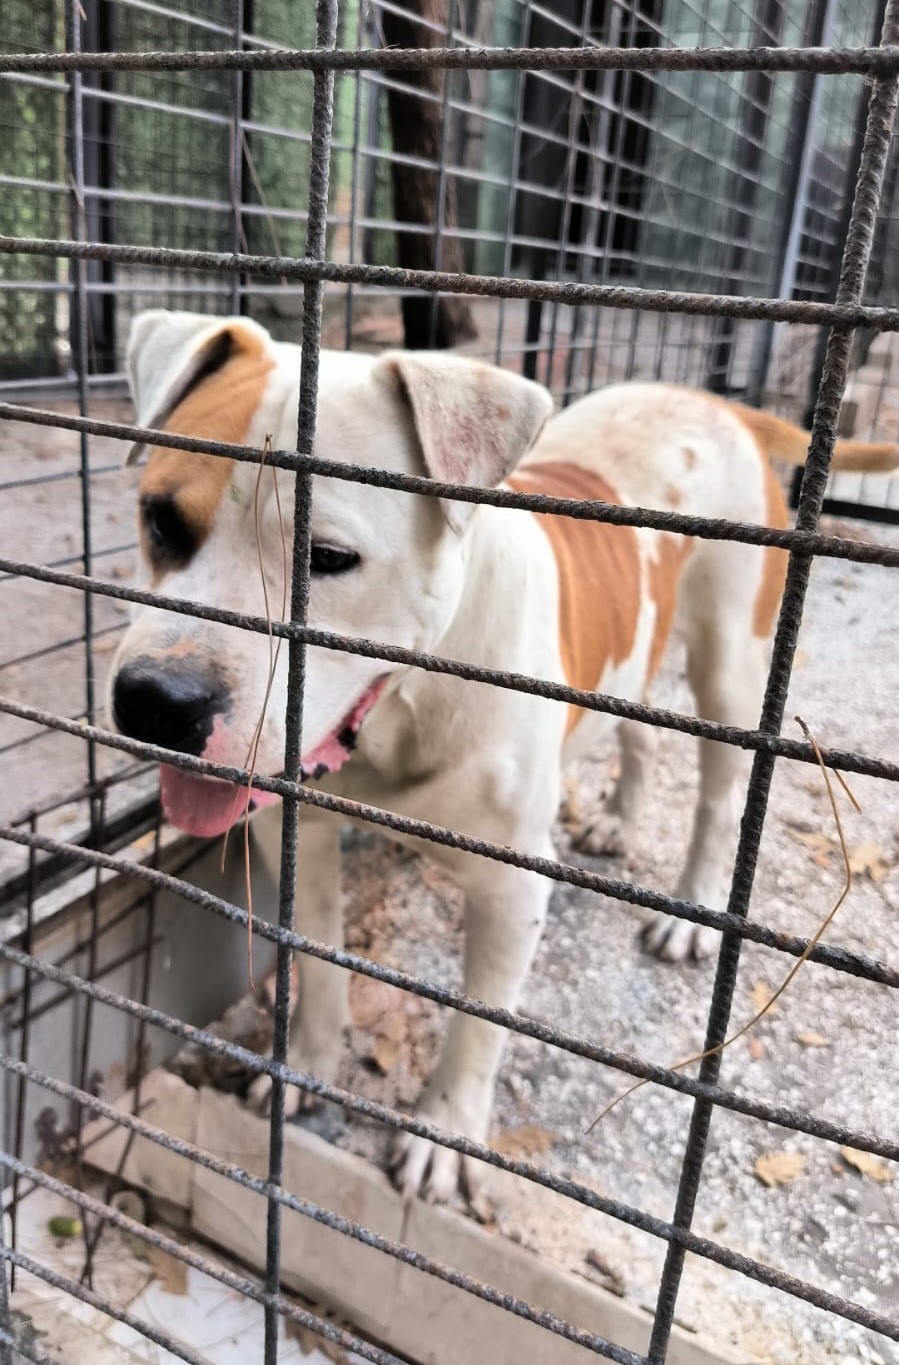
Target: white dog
<point>572,601</point>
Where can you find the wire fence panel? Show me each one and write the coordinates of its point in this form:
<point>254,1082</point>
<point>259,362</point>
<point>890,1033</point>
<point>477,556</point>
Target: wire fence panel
<point>701,192</point>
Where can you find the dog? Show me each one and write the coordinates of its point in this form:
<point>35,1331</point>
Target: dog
<point>573,601</point>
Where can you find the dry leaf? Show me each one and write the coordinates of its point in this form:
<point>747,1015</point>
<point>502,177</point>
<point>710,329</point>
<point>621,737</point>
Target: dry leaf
<point>311,1343</point>
<point>779,1168</point>
<point>812,1039</point>
<point>823,846</point>
<point>761,996</point>
<point>169,1271</point>
<point>389,1041</point>
<point>869,860</point>
<point>610,1278</point>
<point>526,1141</point>
<point>868,1164</point>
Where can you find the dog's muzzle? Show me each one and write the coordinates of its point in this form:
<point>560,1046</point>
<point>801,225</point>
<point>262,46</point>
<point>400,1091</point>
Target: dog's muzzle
<point>161,703</point>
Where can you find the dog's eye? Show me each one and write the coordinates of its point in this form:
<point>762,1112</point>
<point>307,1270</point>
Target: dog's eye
<point>329,559</point>
<point>169,535</point>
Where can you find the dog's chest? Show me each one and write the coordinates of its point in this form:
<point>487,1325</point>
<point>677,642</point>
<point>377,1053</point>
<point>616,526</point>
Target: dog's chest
<point>599,570</point>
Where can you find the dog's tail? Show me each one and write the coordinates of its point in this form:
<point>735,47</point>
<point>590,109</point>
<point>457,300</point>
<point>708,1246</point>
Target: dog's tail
<point>783,440</point>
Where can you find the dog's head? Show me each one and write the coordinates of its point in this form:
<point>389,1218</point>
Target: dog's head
<point>384,565</point>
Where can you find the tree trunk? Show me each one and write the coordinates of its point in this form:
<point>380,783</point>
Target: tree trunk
<point>416,126</point>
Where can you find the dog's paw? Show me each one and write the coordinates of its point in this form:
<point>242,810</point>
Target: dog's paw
<point>434,1173</point>
<point>604,837</point>
<point>677,940</point>
<point>296,1101</point>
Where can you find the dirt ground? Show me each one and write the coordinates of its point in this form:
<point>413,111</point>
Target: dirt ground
<point>830,1047</point>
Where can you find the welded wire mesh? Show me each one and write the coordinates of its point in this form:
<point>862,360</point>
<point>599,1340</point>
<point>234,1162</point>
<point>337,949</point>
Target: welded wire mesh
<point>578,268</point>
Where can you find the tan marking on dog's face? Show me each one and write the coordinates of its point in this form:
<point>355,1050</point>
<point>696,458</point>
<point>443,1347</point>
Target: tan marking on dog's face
<point>689,456</point>
<point>599,575</point>
<point>671,554</point>
<point>673,496</point>
<point>774,562</point>
<point>220,408</point>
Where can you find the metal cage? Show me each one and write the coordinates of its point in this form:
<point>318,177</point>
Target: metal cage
<point>703,195</point>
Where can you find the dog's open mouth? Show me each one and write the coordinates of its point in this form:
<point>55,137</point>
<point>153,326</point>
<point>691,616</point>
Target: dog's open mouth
<point>207,806</point>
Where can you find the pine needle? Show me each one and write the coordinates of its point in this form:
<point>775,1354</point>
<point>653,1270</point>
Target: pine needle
<point>273,652</point>
<point>804,955</point>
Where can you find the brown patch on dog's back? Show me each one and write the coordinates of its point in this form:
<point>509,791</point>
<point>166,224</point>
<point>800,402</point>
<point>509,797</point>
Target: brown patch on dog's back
<point>774,561</point>
<point>599,575</point>
<point>220,408</point>
<point>664,571</point>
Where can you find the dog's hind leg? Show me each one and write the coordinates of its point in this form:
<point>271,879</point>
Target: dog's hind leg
<point>322,1016</point>
<point>504,915</point>
<point>727,675</point>
<point>615,829</point>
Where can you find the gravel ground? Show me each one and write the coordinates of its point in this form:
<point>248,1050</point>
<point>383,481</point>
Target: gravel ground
<point>830,1047</point>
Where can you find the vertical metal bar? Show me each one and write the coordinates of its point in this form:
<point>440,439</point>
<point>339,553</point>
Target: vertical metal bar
<point>611,190</point>
<point>316,237</point>
<point>235,168</point>
<point>93,1239</point>
<point>856,256</point>
<point>515,176</point>
<point>852,170</point>
<point>806,122</point>
<point>24,1045</point>
<point>6,1355</point>
<point>86,1036</point>
<point>81,354</point>
<point>440,223</point>
<point>355,175</point>
<point>749,157</point>
<point>575,114</point>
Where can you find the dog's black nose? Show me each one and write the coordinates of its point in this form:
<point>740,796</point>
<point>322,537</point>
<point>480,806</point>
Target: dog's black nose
<point>167,705</point>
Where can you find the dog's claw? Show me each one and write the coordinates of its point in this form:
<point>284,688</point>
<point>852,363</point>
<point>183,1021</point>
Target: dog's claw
<point>433,1173</point>
<point>675,940</point>
<point>605,837</point>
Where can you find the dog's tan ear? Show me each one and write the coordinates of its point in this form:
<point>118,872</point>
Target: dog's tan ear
<point>169,354</point>
<point>474,422</point>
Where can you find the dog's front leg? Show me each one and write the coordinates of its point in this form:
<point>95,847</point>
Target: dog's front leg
<point>322,1015</point>
<point>505,911</point>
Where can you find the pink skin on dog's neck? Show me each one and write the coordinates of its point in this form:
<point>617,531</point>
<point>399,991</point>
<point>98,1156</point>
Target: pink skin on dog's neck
<point>208,806</point>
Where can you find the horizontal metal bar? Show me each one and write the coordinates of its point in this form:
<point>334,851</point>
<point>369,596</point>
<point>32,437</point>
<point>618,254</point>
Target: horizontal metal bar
<point>842,316</point>
<point>89,1296</point>
<point>646,1222</point>
<point>307,1209</point>
<point>39,479</point>
<point>706,528</point>
<point>753,740</point>
<point>106,553</point>
<point>862,61</point>
<point>250,1288</point>
<point>512,1021</point>
<point>67,642</point>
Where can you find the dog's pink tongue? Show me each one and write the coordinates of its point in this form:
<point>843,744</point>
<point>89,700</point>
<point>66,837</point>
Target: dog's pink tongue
<point>204,806</point>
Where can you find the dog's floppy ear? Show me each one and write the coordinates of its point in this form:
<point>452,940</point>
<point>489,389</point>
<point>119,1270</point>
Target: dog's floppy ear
<point>473,421</point>
<point>169,354</point>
